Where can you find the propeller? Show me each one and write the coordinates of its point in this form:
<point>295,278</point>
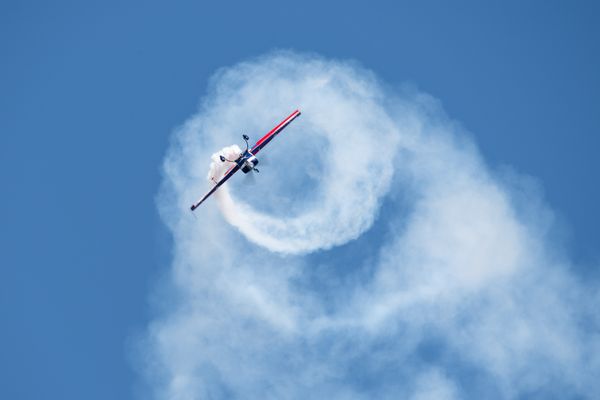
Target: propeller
<point>250,179</point>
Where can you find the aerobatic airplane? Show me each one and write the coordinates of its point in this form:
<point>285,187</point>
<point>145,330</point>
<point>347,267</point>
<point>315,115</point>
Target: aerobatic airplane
<point>247,160</point>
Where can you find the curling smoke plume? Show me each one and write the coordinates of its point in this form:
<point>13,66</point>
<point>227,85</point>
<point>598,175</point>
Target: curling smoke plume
<point>345,190</point>
<point>377,257</point>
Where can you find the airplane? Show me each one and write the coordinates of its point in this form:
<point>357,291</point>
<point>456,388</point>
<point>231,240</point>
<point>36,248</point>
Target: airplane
<point>247,160</point>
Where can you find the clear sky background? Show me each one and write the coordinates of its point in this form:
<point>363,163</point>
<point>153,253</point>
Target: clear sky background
<point>91,91</point>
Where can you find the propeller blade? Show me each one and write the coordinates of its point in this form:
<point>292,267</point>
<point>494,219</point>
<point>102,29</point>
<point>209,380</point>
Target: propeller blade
<point>250,179</point>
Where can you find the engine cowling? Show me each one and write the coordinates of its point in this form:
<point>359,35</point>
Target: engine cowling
<point>249,164</point>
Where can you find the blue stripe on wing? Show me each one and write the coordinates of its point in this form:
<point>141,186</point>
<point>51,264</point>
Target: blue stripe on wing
<point>274,132</point>
<point>214,189</point>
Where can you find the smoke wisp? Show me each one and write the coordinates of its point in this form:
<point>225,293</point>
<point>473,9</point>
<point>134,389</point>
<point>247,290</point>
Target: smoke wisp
<point>376,257</point>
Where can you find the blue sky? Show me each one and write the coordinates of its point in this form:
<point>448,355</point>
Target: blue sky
<point>92,93</point>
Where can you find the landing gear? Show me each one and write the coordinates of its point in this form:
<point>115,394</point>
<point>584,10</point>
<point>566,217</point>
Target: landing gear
<point>246,138</point>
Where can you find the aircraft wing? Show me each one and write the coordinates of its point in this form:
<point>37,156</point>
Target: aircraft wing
<point>255,149</point>
<point>269,136</point>
<point>224,179</point>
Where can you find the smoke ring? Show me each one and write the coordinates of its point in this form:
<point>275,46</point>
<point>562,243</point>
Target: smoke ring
<point>333,100</point>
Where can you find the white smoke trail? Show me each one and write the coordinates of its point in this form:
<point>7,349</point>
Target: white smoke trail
<point>218,168</point>
<point>391,262</point>
<point>351,169</point>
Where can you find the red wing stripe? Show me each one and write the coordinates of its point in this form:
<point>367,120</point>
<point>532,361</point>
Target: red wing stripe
<point>277,129</point>
<point>230,168</point>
